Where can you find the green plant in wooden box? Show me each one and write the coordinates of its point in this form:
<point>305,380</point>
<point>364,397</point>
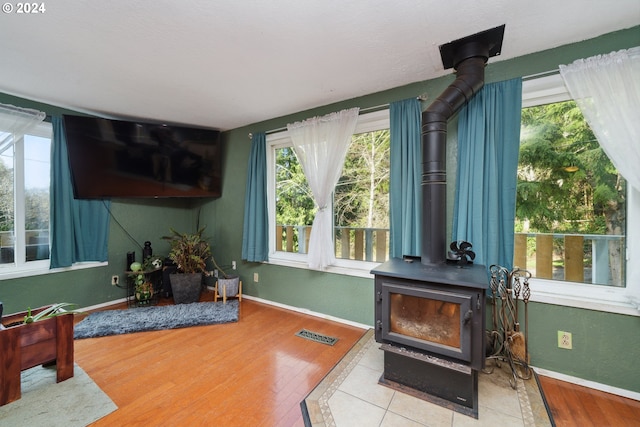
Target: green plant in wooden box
<point>34,337</point>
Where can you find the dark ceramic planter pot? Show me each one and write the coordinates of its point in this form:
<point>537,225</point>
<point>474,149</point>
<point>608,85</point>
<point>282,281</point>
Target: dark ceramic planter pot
<point>186,288</point>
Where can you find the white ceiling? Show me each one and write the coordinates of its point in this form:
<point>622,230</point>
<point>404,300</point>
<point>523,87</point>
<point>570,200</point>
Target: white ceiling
<point>229,63</point>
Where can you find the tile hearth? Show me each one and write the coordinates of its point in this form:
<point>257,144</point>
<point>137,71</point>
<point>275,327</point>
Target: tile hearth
<point>351,396</point>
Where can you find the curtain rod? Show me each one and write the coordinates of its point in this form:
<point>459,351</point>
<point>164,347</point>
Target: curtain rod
<point>542,74</point>
<point>365,110</point>
<point>422,97</point>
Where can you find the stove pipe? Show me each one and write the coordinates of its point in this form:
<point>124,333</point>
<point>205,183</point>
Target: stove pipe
<point>468,57</point>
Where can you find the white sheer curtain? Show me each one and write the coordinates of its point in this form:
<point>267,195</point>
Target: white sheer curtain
<point>607,90</point>
<point>321,144</point>
<point>16,120</point>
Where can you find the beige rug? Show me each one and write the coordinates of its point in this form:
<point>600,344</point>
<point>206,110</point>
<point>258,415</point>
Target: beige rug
<point>523,406</point>
<point>76,402</point>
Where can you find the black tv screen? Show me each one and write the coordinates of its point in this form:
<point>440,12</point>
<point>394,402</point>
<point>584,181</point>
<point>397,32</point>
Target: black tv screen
<point>116,158</point>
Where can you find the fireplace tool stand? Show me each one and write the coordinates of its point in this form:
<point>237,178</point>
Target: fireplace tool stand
<point>507,342</point>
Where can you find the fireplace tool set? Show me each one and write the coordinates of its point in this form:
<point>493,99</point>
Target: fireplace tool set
<point>506,341</point>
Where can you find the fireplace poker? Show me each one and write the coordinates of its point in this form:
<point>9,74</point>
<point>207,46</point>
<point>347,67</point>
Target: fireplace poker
<point>518,348</point>
<point>516,294</point>
<point>526,294</point>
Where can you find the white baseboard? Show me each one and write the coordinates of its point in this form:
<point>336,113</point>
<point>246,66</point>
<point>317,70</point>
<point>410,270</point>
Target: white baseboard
<point>590,384</point>
<point>103,305</point>
<point>309,312</point>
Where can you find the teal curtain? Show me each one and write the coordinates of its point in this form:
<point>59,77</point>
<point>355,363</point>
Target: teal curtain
<point>79,228</point>
<point>488,146</point>
<point>255,231</point>
<point>405,178</point>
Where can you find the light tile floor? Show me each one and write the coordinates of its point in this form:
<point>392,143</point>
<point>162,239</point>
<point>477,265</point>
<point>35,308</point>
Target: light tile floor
<point>358,400</point>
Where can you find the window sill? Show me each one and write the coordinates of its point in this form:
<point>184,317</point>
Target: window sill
<point>591,297</point>
<point>43,268</point>
<point>344,267</point>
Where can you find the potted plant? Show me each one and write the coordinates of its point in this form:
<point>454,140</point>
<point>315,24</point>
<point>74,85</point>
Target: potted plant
<point>140,274</point>
<point>189,253</point>
<point>227,285</point>
<point>31,338</point>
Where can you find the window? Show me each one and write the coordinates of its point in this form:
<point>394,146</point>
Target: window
<point>360,202</point>
<point>572,205</point>
<point>24,200</point>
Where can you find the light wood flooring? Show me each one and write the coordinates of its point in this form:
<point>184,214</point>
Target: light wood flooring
<point>256,372</point>
<point>251,373</point>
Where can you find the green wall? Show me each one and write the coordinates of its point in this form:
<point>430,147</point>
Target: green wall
<point>605,345</point>
<point>602,353</point>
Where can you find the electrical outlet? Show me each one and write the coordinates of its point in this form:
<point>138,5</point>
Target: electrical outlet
<point>115,280</point>
<point>256,277</point>
<point>233,265</point>
<point>564,340</point>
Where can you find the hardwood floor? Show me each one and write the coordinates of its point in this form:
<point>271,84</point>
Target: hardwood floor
<point>256,372</point>
<point>251,373</point>
<point>576,406</point>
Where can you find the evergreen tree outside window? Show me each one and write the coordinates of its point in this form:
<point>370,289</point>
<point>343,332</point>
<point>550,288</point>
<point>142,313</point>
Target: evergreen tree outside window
<point>360,202</point>
<point>572,206</point>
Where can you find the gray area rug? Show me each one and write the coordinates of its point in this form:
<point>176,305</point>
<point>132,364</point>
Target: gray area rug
<point>77,401</point>
<point>115,322</point>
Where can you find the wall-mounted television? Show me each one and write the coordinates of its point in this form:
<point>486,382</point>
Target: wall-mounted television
<point>122,159</point>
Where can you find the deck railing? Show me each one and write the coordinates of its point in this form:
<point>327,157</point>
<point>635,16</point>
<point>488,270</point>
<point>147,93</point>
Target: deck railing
<point>37,247</point>
<point>361,244</point>
<point>583,258</point>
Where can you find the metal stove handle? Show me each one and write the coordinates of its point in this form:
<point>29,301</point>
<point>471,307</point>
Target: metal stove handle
<point>467,317</point>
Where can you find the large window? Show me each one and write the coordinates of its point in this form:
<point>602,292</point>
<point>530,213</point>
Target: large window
<point>24,200</point>
<point>360,201</point>
<point>572,205</point>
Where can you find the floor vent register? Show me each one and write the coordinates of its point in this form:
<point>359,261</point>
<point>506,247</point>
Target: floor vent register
<point>314,336</point>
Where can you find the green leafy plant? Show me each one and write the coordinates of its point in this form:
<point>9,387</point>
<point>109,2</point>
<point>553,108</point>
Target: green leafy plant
<point>189,252</point>
<point>52,311</point>
<point>152,263</point>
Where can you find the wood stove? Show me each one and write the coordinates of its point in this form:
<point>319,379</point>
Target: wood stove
<point>431,322</point>
<point>430,314</point>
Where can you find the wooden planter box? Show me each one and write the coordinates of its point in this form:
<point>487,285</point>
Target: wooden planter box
<point>24,346</point>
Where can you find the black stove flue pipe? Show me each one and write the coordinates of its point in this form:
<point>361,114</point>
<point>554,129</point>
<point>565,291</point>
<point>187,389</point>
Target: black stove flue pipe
<point>468,57</point>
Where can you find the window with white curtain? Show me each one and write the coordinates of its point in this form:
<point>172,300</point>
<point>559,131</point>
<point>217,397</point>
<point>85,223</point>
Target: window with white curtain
<point>360,232</point>
<point>581,260</point>
<point>24,201</point>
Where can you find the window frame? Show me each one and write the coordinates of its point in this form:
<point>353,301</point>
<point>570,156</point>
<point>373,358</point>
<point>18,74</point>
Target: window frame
<point>550,89</point>
<point>20,267</point>
<point>367,122</point>
<point>545,89</point>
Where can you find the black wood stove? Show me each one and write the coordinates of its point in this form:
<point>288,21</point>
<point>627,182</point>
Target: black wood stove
<point>430,314</point>
<point>431,322</point>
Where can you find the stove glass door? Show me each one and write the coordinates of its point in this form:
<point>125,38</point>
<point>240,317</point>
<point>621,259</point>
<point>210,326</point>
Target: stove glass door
<point>429,319</point>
